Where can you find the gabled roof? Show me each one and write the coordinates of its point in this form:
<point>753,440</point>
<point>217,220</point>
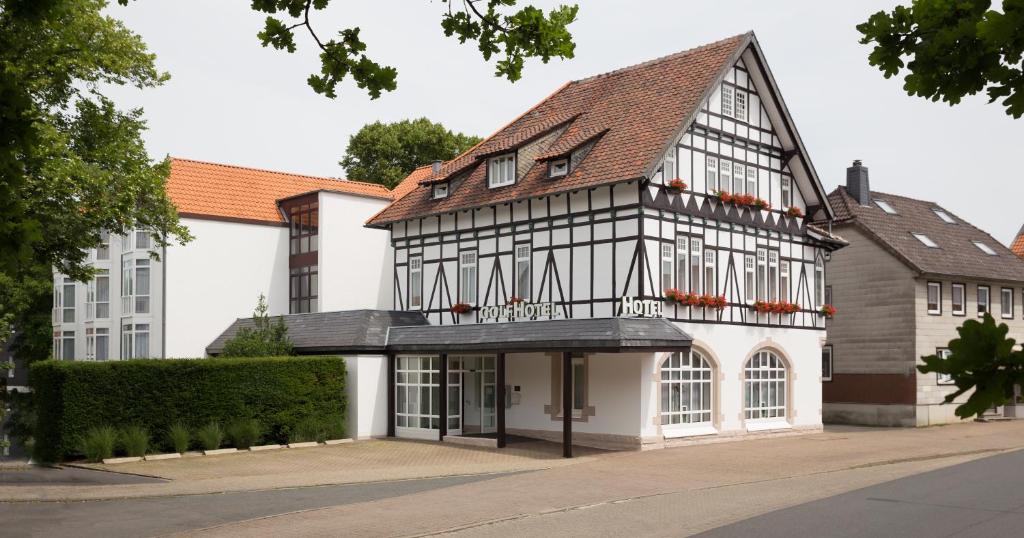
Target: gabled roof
<point>956,254</point>
<point>639,110</point>
<point>202,189</point>
<point>351,331</point>
<point>1018,243</point>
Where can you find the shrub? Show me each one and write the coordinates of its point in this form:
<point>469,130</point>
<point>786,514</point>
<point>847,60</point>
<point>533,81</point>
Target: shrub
<point>310,429</point>
<point>134,440</point>
<point>244,433</point>
<point>210,436</point>
<point>178,436</point>
<point>98,443</point>
<point>334,426</point>
<point>72,396</point>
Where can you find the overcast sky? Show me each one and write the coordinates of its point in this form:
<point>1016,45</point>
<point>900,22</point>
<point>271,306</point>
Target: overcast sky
<point>231,101</point>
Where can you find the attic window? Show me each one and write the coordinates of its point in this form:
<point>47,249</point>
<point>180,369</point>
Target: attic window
<point>984,248</point>
<point>944,216</point>
<point>926,240</point>
<point>440,190</point>
<point>558,167</point>
<point>726,100</point>
<point>501,170</point>
<point>885,207</point>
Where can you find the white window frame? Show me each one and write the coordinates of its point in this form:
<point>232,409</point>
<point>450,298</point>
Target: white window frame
<point>143,240</point>
<point>501,170</point>
<point>751,180</point>
<point>826,358</point>
<point>945,217</point>
<point>440,190</point>
<point>711,165</point>
<point>884,206</point>
<point>962,311</point>
<point>68,290</point>
<point>687,394</point>
<point>765,373</point>
<point>750,277</point>
<point>943,379</point>
<point>762,274</point>
<point>984,307</point>
<point>725,177</point>
<point>414,375</point>
<point>937,287</point>
<point>985,248</point>
<point>524,267</point>
<point>141,298</point>
<point>925,240</point>
<point>467,277</point>
<point>103,249</point>
<point>667,269</point>
<point>416,281</point>
<point>784,280</point>
<point>819,282</point>
<point>101,334</point>
<point>727,102</point>
<point>773,275</point>
<point>786,184</point>
<point>668,169</point>
<point>558,168</point>
<point>682,267</point>
<point>1003,311</point>
<point>696,263</point>
<point>740,105</point>
<point>710,271</point>
<point>738,177</point>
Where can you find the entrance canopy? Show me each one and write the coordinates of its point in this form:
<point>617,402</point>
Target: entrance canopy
<point>609,335</point>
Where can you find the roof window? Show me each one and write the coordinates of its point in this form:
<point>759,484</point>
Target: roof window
<point>927,241</point>
<point>440,190</point>
<point>944,216</point>
<point>558,167</point>
<point>984,248</point>
<point>885,206</point>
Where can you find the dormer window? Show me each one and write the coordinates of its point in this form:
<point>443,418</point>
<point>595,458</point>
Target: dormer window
<point>558,167</point>
<point>440,190</point>
<point>501,170</point>
<point>885,207</point>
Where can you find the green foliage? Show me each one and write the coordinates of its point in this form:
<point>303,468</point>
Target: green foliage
<point>210,436</point>
<point>179,437</point>
<point>243,433</point>
<point>955,49</point>
<point>264,339</point>
<point>386,152</point>
<point>73,396</point>
<point>526,33</point>
<point>310,429</point>
<point>98,443</point>
<point>71,163</point>
<point>982,359</point>
<point>134,440</point>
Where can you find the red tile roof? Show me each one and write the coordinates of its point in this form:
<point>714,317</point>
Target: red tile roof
<point>233,192</point>
<point>1018,243</point>
<point>638,109</point>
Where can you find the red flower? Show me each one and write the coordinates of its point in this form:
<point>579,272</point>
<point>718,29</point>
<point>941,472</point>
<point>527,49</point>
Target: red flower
<point>672,295</point>
<point>515,300</point>
<point>692,299</point>
<point>677,185</point>
<point>762,203</point>
<point>460,308</point>
<point>717,302</point>
<point>724,196</point>
<point>792,308</point>
<point>762,307</point>
<point>828,310</point>
<point>744,199</point>
<point>794,211</point>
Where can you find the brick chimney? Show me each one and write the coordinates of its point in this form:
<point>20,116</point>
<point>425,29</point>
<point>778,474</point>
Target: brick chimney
<point>857,183</point>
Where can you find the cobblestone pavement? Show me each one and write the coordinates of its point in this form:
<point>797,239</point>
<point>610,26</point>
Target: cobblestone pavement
<point>664,492</point>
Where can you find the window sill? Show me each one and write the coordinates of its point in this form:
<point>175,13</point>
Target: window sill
<point>761,425</point>
<point>675,431</point>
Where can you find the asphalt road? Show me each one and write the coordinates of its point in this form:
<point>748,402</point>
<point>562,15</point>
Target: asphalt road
<point>980,498</point>
<point>164,515</point>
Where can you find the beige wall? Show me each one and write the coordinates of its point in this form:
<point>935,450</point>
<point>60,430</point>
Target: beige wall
<point>873,331</point>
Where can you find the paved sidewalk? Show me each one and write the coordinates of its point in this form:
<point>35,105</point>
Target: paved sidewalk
<point>663,492</point>
<point>360,462</point>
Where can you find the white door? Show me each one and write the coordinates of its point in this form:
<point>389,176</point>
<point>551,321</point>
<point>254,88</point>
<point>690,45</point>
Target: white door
<point>455,371</point>
<point>489,396</point>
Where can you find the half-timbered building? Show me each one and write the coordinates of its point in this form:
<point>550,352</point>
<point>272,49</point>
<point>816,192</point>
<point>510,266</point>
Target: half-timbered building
<point>549,258</point>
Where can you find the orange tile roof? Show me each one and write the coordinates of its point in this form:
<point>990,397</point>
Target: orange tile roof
<point>234,192</point>
<point>1018,243</point>
<point>638,109</point>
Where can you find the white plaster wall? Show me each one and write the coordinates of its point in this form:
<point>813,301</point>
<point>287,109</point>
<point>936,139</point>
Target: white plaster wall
<point>367,394</point>
<point>731,345</point>
<point>218,278</point>
<point>355,261</point>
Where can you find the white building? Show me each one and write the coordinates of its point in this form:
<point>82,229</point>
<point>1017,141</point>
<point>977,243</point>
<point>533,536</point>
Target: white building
<point>256,232</point>
<point>541,261</point>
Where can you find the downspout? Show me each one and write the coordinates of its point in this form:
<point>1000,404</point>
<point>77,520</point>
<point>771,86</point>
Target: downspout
<point>163,302</point>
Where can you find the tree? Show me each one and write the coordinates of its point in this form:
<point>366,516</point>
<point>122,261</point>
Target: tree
<point>264,339</point>
<point>982,359</point>
<point>956,48</point>
<point>386,152</point>
<point>526,33</point>
<point>71,163</point>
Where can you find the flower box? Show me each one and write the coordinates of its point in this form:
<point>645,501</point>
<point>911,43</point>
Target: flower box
<point>794,211</point>
<point>515,300</point>
<point>673,295</point>
<point>775,307</point>
<point>762,204</point>
<point>676,185</point>
<point>828,310</point>
<point>460,308</point>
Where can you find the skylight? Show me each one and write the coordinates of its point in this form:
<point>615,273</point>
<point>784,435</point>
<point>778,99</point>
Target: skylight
<point>984,248</point>
<point>926,240</point>
<point>885,206</point>
<point>944,216</point>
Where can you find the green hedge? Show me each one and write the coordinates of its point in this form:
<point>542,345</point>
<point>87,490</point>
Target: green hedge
<point>280,392</point>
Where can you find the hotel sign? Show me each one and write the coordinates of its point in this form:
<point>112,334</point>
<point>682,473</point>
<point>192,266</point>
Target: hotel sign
<point>641,308</point>
<point>519,310</point>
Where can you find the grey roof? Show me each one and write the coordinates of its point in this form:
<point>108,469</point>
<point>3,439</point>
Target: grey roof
<point>584,334</point>
<point>956,256</point>
<point>333,332</point>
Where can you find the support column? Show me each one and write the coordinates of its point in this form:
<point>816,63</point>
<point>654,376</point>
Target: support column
<point>566,405</point>
<point>444,397</point>
<point>500,403</point>
<point>391,394</point>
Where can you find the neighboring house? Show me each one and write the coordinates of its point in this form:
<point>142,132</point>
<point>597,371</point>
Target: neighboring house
<point>256,232</point>
<point>912,274</point>
<point>1018,243</point>
<point>541,258</point>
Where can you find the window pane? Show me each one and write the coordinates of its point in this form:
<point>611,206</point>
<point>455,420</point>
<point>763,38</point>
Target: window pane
<point>577,386</point>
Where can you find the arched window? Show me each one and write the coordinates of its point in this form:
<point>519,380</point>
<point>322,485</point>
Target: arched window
<point>686,389</point>
<point>764,386</point>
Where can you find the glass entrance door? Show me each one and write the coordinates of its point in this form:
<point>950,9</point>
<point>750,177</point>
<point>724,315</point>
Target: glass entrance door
<point>455,374</point>
<point>489,391</point>
<point>472,394</point>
